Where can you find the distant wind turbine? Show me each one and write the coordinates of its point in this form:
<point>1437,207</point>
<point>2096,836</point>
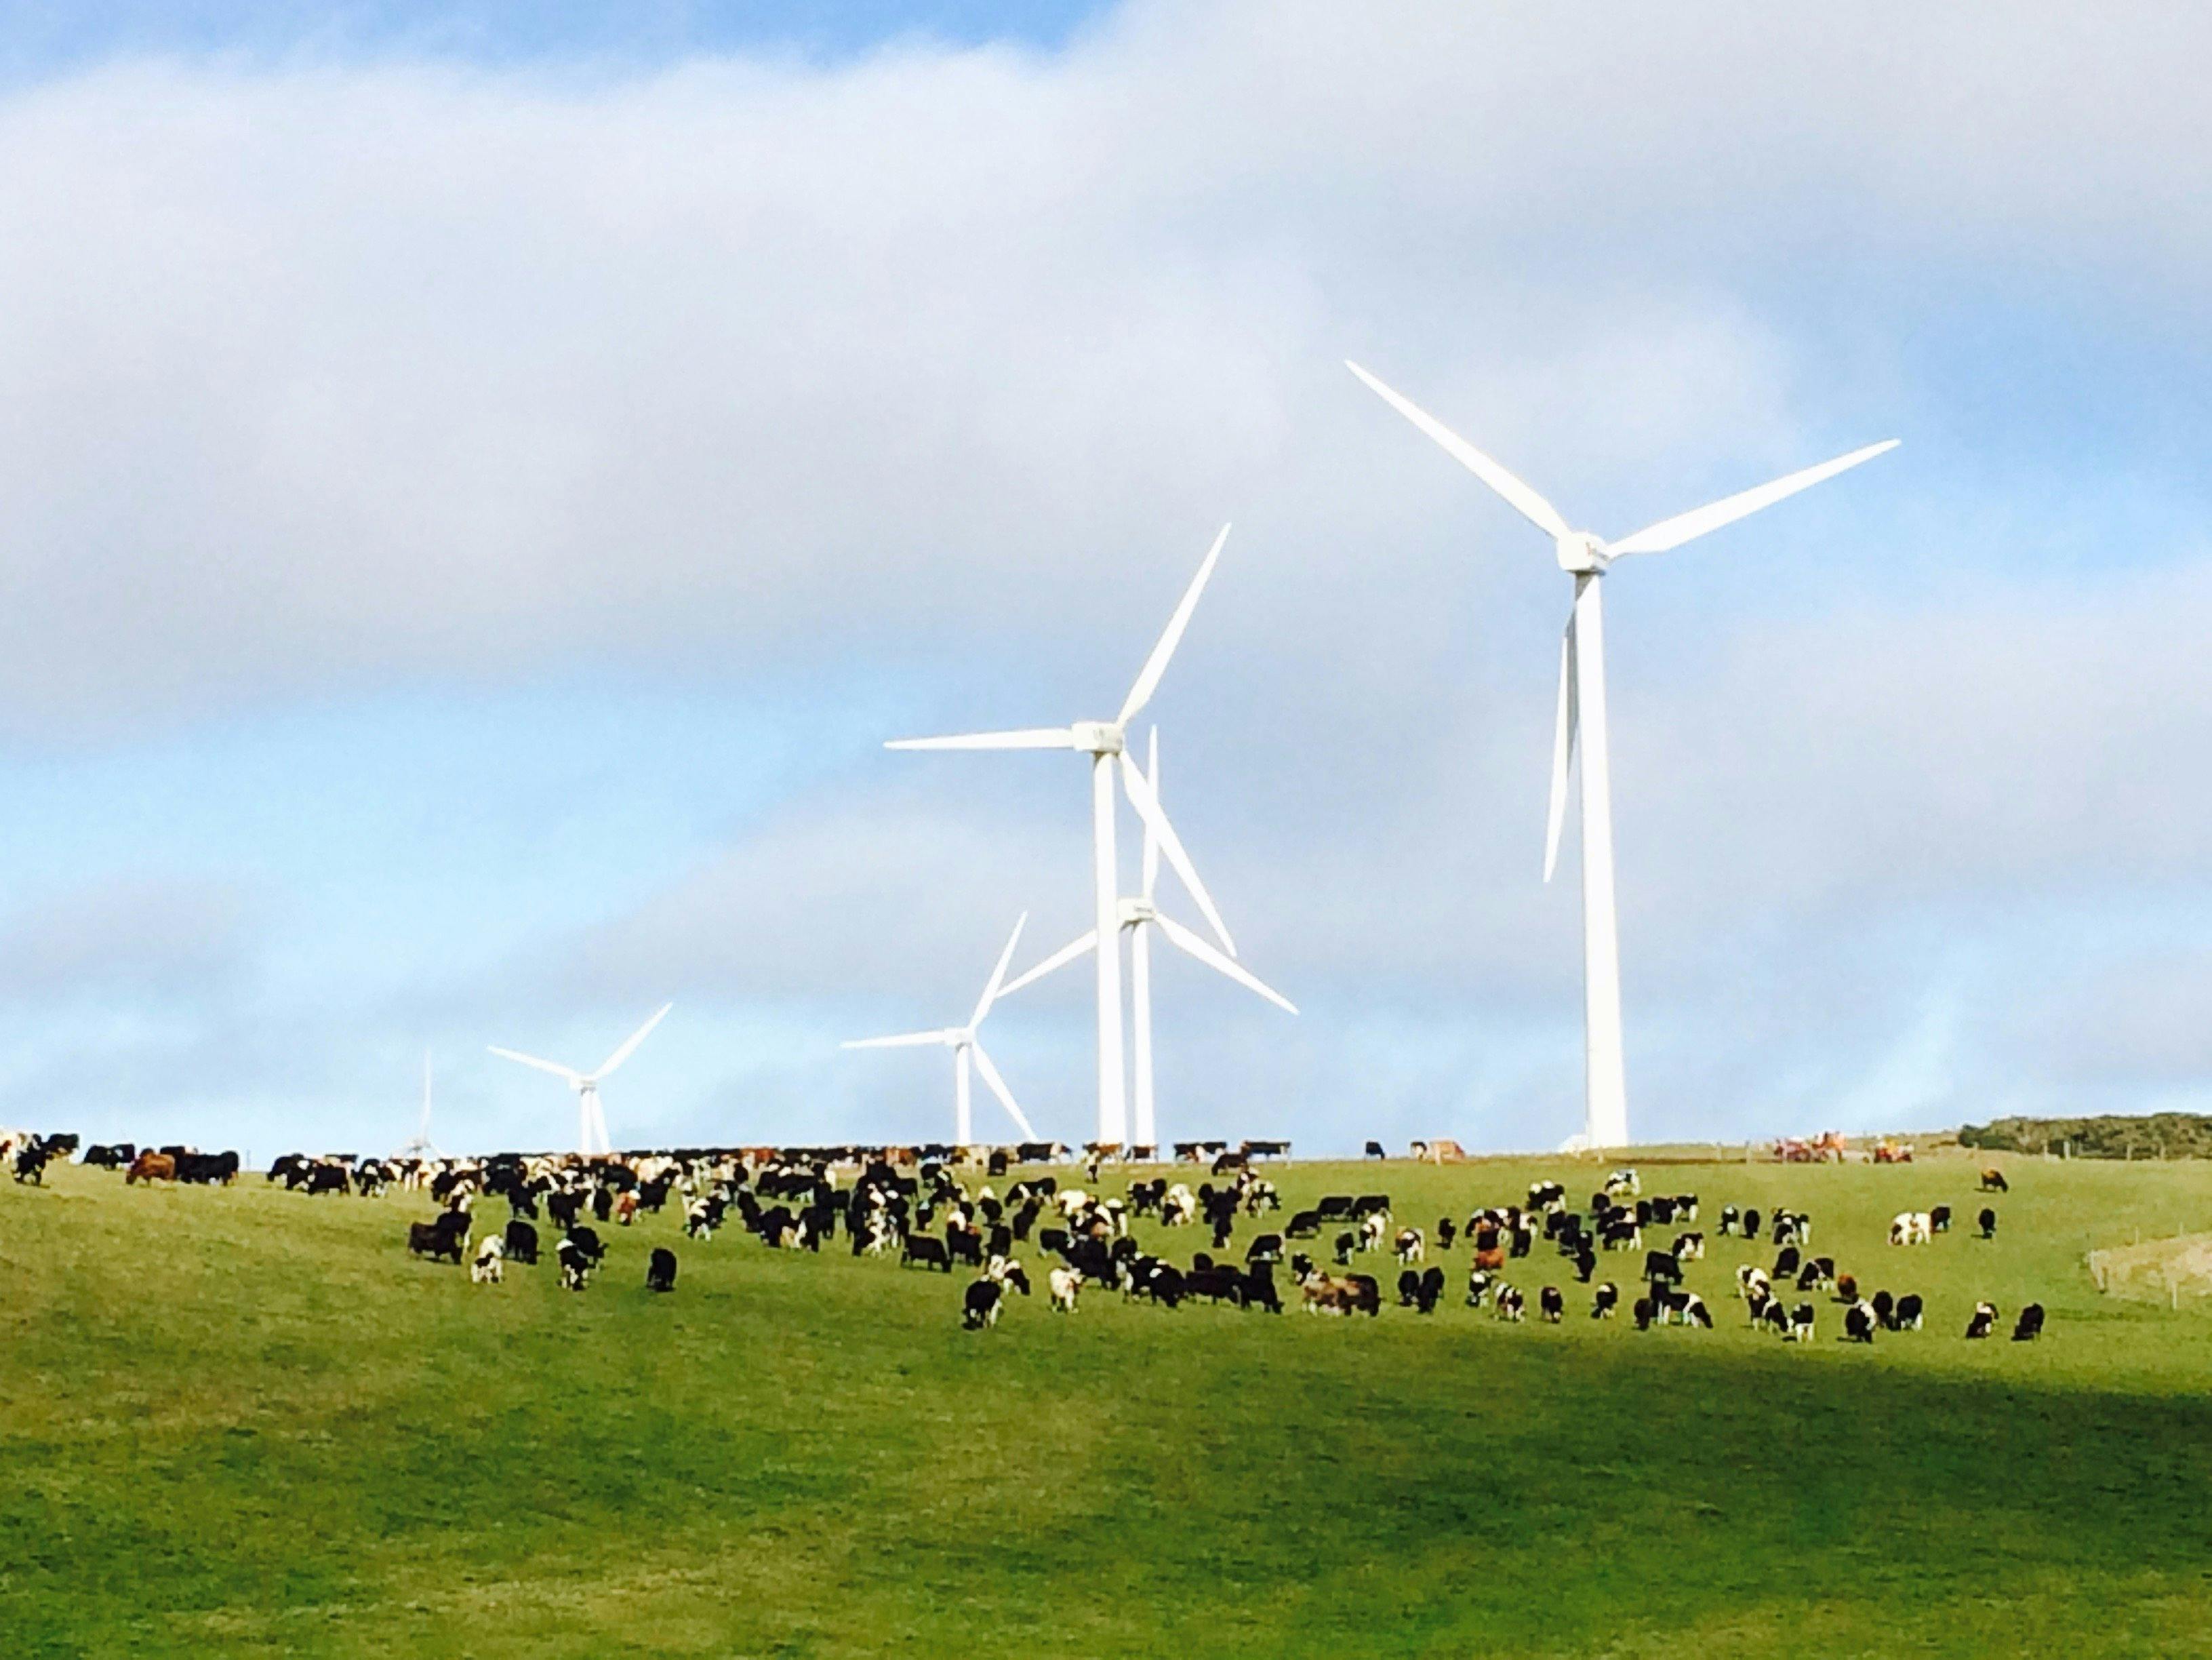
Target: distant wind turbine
<point>967,1049</point>
<point>421,1147</point>
<point>1586,557</point>
<point>592,1119</point>
<point>1139,916</point>
<point>1102,740</point>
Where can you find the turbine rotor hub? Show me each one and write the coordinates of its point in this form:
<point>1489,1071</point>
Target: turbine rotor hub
<point>1099,737</point>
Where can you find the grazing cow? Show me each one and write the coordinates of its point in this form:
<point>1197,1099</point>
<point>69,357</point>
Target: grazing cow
<point>1642,1312</point>
<point>1445,1233</point>
<point>1478,1287</point>
<point>1776,1319</point>
<point>1511,1304</point>
<point>586,1240</point>
<point>521,1242</point>
<point>1984,1321</point>
<point>927,1252</point>
<point>1222,1284</point>
<point>1411,1245</point>
<point>1859,1323</point>
<point>1685,1307</point>
<point>1939,1220</point>
<point>1260,1290</point>
<point>1551,1304</point>
<point>2029,1326</point>
<point>1910,1227</point>
<point>1885,1310</point>
<point>1729,1216</point>
<point>1604,1301</point>
<point>576,1265</point>
<point>1266,1248</point>
<point>487,1269</point>
<point>1801,1323</point>
<point>1345,1244</point>
<point>1063,1285</point>
<point>1909,1311</point>
<point>1993,1181</point>
<point>1751,1281</point>
<point>1430,1291</point>
<point>1689,1247</point>
<point>1787,1262</point>
<point>1751,1224</point>
<point>1375,1149</point>
<point>1304,1225</point>
<point>1409,1288</point>
<point>446,1236</point>
<point>1372,1228</point>
<point>661,1269</point>
<point>1847,1288</point>
<point>1988,1223</point>
<point>115,1156</point>
<point>150,1166</point>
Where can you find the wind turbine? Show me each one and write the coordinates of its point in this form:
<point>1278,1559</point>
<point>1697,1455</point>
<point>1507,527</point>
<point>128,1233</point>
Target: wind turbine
<point>967,1048</point>
<point>1102,740</point>
<point>592,1120</point>
<point>1586,557</point>
<point>1139,916</point>
<point>421,1147</point>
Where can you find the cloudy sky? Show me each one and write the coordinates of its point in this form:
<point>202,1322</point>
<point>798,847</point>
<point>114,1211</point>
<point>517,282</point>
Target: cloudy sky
<point>479,482</point>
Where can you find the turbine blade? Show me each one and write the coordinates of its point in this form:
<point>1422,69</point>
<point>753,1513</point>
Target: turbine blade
<point>1530,506</point>
<point>1683,527</point>
<point>1052,964</point>
<point>1031,738</point>
<point>904,1041</point>
<point>630,1043</point>
<point>998,974</point>
<point>1152,866</point>
<point>570,1073</point>
<point>1213,959</point>
<point>1147,805</point>
<point>1562,746</point>
<point>998,1087</point>
<point>1148,677</point>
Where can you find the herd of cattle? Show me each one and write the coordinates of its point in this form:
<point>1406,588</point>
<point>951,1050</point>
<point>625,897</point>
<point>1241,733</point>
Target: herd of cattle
<point>928,1219</point>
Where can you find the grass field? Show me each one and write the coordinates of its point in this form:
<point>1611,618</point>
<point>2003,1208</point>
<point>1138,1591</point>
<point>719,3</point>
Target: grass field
<point>245,1422</point>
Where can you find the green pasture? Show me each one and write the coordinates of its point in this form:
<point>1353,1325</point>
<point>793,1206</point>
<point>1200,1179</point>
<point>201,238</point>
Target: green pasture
<point>245,1422</point>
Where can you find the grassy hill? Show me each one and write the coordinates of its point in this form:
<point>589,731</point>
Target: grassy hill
<point>245,1422</point>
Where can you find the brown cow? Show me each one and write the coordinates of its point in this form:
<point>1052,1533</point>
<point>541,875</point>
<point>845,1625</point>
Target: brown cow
<point>151,1167</point>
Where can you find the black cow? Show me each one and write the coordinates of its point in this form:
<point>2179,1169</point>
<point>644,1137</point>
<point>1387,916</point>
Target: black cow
<point>1219,1285</point>
<point>661,1269</point>
<point>1551,1304</point>
<point>980,1304</point>
<point>446,1236</point>
<point>586,1240</point>
<point>1859,1323</point>
<point>1939,1220</point>
<point>926,1251</point>
<point>2029,1326</point>
<point>1988,1220</point>
<point>521,1241</point>
<point>1909,1312</point>
<point>1885,1310</point>
<point>1260,1290</point>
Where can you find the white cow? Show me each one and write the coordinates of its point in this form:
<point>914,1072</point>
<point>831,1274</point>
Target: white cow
<point>490,1267</point>
<point>1064,1284</point>
<point>1911,1227</point>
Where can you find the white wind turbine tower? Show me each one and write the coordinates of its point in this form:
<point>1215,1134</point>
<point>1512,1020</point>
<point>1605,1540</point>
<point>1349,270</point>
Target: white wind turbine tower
<point>967,1048</point>
<point>592,1119</point>
<point>1586,557</point>
<point>1139,916</point>
<point>421,1147</point>
<point>1102,740</point>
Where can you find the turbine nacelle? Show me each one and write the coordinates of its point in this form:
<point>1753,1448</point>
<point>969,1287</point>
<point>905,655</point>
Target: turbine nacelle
<point>1582,553</point>
<point>1097,737</point>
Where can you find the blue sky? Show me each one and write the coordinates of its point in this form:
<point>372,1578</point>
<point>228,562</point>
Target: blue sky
<point>478,486</point>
